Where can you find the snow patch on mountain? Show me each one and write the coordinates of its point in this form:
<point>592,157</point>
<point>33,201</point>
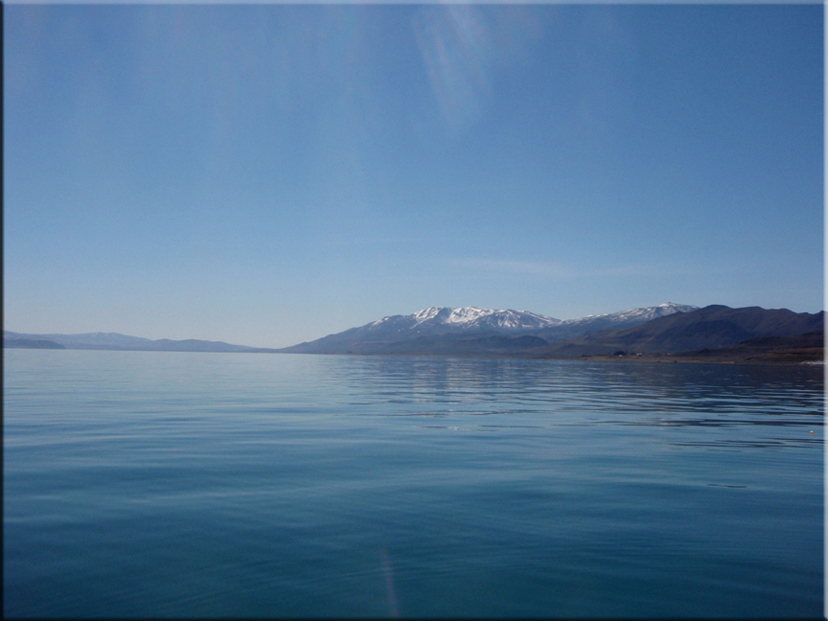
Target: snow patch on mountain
<point>645,314</point>
<point>469,318</point>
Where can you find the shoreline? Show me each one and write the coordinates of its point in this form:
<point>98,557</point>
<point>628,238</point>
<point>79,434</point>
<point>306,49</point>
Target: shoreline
<point>814,357</point>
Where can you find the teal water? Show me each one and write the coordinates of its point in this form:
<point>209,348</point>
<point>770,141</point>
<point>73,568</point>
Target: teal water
<point>195,484</point>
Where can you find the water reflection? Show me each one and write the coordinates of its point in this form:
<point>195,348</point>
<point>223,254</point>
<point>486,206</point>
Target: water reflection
<point>554,393</point>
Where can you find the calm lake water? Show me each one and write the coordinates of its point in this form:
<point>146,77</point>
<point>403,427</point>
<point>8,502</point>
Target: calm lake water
<point>193,484</point>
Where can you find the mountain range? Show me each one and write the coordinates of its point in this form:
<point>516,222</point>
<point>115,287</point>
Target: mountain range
<point>713,332</point>
<point>445,328</point>
<point>667,328</point>
<point>711,328</point>
<point>115,341</point>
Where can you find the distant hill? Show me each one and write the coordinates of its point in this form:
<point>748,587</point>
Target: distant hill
<point>573,328</point>
<point>451,345</point>
<point>804,347</point>
<point>32,344</point>
<point>713,327</point>
<point>115,341</point>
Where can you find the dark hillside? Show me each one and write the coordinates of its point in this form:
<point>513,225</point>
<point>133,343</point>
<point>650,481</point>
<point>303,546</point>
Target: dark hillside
<point>712,327</point>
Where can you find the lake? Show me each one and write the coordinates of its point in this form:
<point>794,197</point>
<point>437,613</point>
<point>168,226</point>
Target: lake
<point>198,484</point>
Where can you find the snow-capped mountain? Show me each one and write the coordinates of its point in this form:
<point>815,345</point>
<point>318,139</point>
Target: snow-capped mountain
<point>637,314</point>
<point>472,322</point>
<point>571,328</point>
<point>467,318</point>
<point>442,319</point>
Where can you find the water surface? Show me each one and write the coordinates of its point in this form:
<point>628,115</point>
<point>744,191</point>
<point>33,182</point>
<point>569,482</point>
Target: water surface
<point>197,484</point>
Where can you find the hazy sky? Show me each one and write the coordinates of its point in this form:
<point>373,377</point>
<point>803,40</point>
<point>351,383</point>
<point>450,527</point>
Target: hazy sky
<point>266,175</point>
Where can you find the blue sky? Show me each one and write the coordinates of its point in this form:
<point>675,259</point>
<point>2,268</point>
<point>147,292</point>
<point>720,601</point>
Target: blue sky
<point>266,175</point>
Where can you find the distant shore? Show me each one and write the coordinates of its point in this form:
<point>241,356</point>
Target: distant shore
<point>792,356</point>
